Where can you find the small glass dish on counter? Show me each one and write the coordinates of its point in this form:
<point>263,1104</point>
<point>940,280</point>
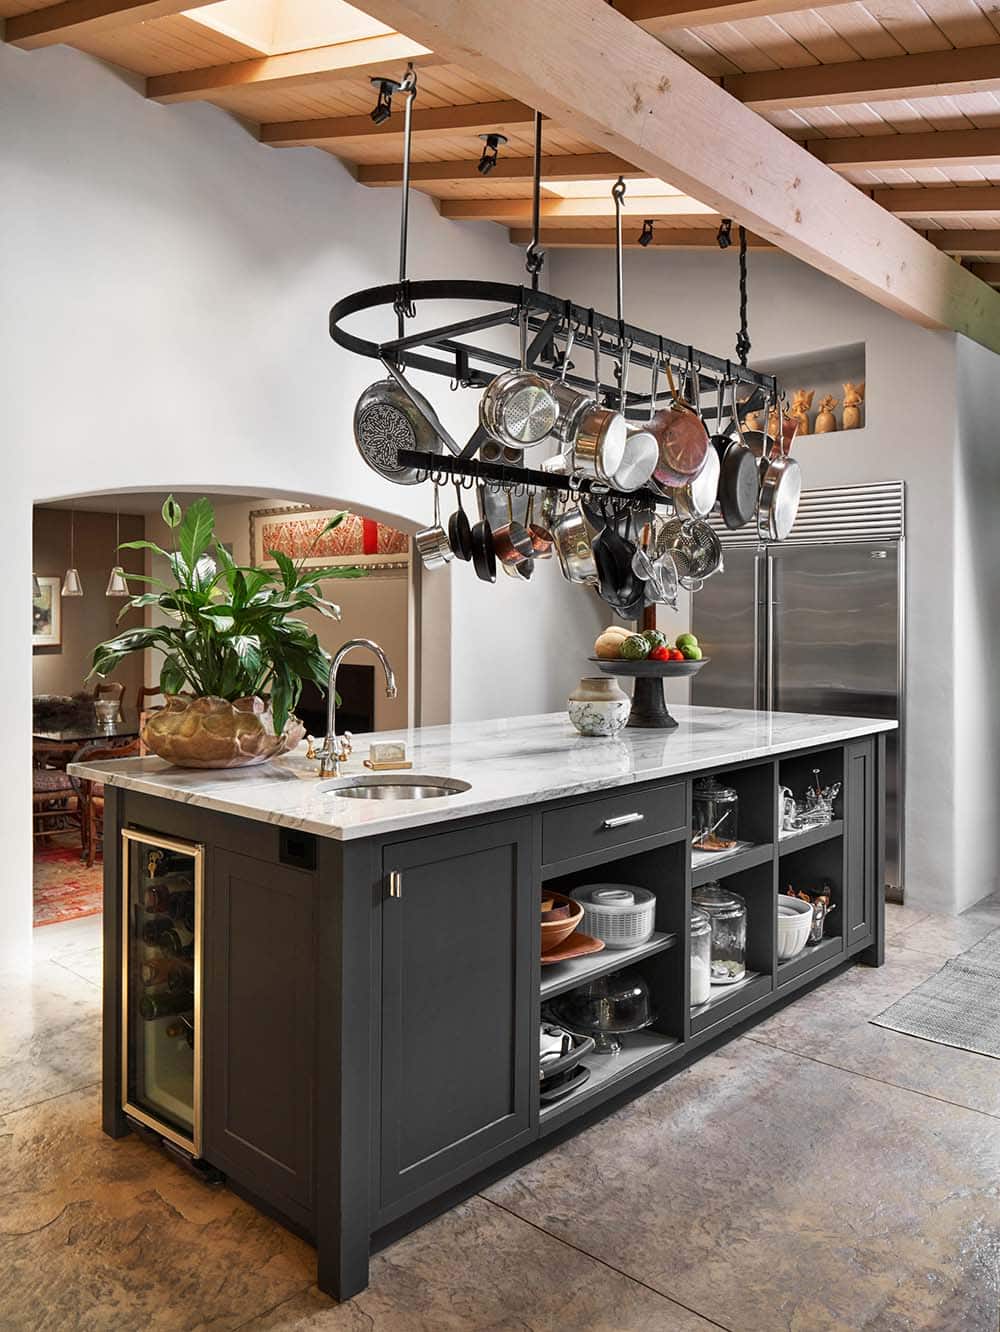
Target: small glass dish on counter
<point>727,914</point>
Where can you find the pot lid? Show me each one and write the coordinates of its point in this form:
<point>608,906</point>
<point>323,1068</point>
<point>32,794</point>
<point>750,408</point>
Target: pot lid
<point>716,900</point>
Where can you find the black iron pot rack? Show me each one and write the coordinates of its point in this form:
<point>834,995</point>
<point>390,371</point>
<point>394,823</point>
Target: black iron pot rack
<point>546,315</point>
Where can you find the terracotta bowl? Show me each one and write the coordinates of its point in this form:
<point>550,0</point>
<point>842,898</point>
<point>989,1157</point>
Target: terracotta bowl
<point>213,733</point>
<point>555,931</point>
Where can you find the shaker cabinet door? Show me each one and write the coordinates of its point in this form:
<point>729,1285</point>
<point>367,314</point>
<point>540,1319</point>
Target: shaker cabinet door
<point>459,935</point>
<point>259,1026</point>
<point>859,817</point>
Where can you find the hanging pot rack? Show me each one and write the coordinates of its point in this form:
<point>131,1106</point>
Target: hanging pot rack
<point>474,366</point>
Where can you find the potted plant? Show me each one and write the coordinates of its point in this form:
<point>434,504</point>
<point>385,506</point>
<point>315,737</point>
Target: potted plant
<point>235,655</point>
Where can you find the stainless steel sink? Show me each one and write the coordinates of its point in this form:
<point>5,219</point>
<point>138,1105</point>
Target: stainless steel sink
<point>396,786</point>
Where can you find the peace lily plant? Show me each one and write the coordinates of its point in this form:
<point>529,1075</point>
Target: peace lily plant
<point>229,636</point>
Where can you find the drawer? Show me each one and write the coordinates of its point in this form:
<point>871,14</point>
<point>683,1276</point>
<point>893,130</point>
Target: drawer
<point>613,819</point>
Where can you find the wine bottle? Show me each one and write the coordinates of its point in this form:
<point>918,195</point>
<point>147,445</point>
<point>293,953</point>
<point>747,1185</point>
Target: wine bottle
<point>156,970</point>
<point>158,897</point>
<point>153,931</point>
<point>181,976</point>
<point>183,1028</point>
<point>181,907</point>
<point>159,1005</point>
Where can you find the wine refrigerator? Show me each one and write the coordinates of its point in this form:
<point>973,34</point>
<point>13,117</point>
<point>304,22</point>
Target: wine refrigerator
<point>163,894</point>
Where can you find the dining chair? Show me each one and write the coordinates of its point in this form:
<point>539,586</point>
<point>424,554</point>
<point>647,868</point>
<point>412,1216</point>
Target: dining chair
<point>144,692</point>
<point>91,794</point>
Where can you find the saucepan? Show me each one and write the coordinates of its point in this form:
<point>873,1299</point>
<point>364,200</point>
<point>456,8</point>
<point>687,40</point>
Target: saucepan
<point>432,542</point>
<point>517,409</point>
<point>512,542</point>
<point>739,482</point>
<point>573,545</point>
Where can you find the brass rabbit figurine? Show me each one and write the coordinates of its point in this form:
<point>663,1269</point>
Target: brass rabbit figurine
<point>802,401</point>
<point>825,419</point>
<point>853,398</point>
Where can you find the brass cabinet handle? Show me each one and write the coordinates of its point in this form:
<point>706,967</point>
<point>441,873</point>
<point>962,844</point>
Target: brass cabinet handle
<point>395,883</point>
<point>620,820</point>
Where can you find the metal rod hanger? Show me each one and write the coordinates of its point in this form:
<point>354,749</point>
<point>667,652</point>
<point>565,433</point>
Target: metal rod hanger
<point>508,475</point>
<point>546,313</point>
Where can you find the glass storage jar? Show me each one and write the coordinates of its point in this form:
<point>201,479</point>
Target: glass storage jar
<point>701,958</point>
<point>715,815</point>
<point>727,913</point>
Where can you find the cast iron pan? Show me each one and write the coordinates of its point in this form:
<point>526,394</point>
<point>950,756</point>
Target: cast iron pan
<point>739,486</point>
<point>460,531</point>
<point>484,558</point>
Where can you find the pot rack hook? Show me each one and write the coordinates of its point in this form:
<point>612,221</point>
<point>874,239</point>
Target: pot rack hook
<point>534,258</point>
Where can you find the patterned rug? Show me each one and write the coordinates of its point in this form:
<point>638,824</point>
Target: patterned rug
<point>64,887</point>
<point>959,1005</point>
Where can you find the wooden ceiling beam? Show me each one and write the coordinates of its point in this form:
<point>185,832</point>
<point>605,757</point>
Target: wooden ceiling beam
<point>328,131</point>
<point>986,272</point>
<point>966,242</point>
<point>973,147</point>
<point>602,237</point>
<point>940,201</point>
<point>661,16</point>
<point>585,64</point>
<point>388,52</point>
<point>575,166</point>
<point>579,212</point>
<point>76,18</point>
<point>892,78</point>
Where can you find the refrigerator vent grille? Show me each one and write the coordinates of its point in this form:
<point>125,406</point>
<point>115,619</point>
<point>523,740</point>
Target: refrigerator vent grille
<point>871,512</point>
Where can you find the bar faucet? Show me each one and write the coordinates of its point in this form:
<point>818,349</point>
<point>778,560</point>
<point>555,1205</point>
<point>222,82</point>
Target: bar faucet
<point>337,750</point>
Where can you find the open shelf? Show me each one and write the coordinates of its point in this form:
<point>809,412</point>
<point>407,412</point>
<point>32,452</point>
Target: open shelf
<point>640,1048</point>
<point>798,840</point>
<point>706,867</point>
<point>561,976</point>
<point>811,956</point>
<point>726,999</point>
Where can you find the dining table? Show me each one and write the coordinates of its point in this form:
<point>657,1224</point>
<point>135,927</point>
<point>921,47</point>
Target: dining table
<point>87,727</point>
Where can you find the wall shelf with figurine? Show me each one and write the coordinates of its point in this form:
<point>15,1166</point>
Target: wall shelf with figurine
<point>825,389</point>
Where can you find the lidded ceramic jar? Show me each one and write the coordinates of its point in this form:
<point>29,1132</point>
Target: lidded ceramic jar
<point>727,913</point>
<point>599,706</point>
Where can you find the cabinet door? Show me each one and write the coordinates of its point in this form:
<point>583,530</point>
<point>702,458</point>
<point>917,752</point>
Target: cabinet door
<point>458,946</point>
<point>860,832</point>
<point>259,1028</point>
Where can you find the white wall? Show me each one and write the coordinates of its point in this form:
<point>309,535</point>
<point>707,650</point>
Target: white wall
<point>166,284</point>
<point>910,433</point>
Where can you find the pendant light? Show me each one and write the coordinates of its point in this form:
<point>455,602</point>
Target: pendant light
<point>117,583</point>
<point>72,586</point>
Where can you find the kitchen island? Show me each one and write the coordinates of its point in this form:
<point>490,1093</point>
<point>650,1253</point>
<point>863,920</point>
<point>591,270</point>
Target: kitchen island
<point>359,1043</point>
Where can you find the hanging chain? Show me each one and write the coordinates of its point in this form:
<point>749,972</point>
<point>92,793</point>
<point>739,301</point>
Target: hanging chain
<point>534,258</point>
<point>743,337</point>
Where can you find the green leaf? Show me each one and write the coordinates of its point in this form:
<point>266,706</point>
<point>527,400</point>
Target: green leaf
<point>247,648</point>
<point>171,512</point>
<point>286,566</point>
<point>144,545</point>
<point>195,534</point>
<point>172,675</point>
<point>282,700</point>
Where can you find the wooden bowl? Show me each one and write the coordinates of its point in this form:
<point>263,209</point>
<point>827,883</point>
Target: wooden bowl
<point>555,931</point>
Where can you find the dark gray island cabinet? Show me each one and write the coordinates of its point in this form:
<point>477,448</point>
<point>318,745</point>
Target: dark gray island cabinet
<point>366,1002</point>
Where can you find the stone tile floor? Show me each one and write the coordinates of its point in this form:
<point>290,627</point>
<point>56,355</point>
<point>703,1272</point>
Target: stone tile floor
<point>817,1173</point>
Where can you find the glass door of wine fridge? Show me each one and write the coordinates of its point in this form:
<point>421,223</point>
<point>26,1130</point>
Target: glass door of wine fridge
<point>162,885</point>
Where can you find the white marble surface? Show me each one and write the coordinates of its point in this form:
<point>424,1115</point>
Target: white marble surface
<point>509,763</point>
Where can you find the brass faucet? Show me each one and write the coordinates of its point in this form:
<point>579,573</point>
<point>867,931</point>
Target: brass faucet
<point>337,750</point>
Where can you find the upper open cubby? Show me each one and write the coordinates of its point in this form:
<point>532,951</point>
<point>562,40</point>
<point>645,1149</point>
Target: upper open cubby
<point>823,373</point>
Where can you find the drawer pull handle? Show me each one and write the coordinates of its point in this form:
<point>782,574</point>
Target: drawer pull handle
<point>620,820</point>
<point>395,883</point>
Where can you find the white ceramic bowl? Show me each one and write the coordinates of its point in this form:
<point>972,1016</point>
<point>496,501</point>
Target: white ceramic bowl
<point>794,922</point>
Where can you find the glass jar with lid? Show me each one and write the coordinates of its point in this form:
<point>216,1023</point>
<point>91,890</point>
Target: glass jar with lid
<point>727,914</point>
<point>715,815</point>
<point>701,958</point>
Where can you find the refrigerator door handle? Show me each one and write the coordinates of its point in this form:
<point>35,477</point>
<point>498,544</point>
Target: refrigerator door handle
<point>769,633</point>
<point>758,693</point>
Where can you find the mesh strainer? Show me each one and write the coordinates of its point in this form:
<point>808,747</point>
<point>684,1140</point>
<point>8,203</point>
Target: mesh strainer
<point>696,550</point>
<point>386,420</point>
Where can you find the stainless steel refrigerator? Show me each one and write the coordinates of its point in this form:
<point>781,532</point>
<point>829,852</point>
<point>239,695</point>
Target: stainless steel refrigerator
<point>816,624</point>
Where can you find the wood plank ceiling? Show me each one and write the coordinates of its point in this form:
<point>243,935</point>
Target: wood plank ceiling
<point>900,98</point>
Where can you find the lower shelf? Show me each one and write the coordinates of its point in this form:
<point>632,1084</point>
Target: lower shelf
<point>811,956</point>
<point>728,999</point>
<point>641,1048</point>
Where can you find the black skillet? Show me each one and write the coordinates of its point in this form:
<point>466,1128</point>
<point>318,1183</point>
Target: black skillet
<point>484,556</point>
<point>739,480</point>
<point>460,529</point>
<point>618,584</point>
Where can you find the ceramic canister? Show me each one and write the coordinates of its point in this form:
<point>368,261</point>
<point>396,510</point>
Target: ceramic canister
<point>598,706</point>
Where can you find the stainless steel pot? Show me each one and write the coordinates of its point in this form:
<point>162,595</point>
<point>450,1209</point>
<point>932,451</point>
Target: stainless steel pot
<point>432,542</point>
<point>517,409</point>
<point>780,489</point>
<point>696,499</point>
<point>680,435</point>
<point>573,546</point>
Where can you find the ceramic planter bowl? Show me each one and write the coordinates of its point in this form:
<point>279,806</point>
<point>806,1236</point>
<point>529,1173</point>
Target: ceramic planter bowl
<point>213,733</point>
<point>598,707</point>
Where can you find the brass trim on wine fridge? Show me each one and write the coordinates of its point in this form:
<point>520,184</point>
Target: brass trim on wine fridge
<point>196,851</point>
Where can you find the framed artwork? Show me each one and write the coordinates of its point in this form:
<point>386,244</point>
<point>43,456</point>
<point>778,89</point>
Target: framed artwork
<point>358,542</point>
<point>46,611</point>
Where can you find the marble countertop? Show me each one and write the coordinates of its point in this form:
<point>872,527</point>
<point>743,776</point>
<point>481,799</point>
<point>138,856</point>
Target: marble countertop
<point>508,763</point>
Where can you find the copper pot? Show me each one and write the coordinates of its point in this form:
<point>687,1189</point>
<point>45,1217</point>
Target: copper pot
<point>680,436</point>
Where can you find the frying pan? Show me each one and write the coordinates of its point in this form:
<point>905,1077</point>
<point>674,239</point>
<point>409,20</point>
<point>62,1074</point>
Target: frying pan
<point>386,420</point>
<point>484,559</point>
<point>780,489</point>
<point>680,436</point>
<point>460,529</point>
<point>696,499</point>
<point>517,408</point>
<point>739,481</point>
